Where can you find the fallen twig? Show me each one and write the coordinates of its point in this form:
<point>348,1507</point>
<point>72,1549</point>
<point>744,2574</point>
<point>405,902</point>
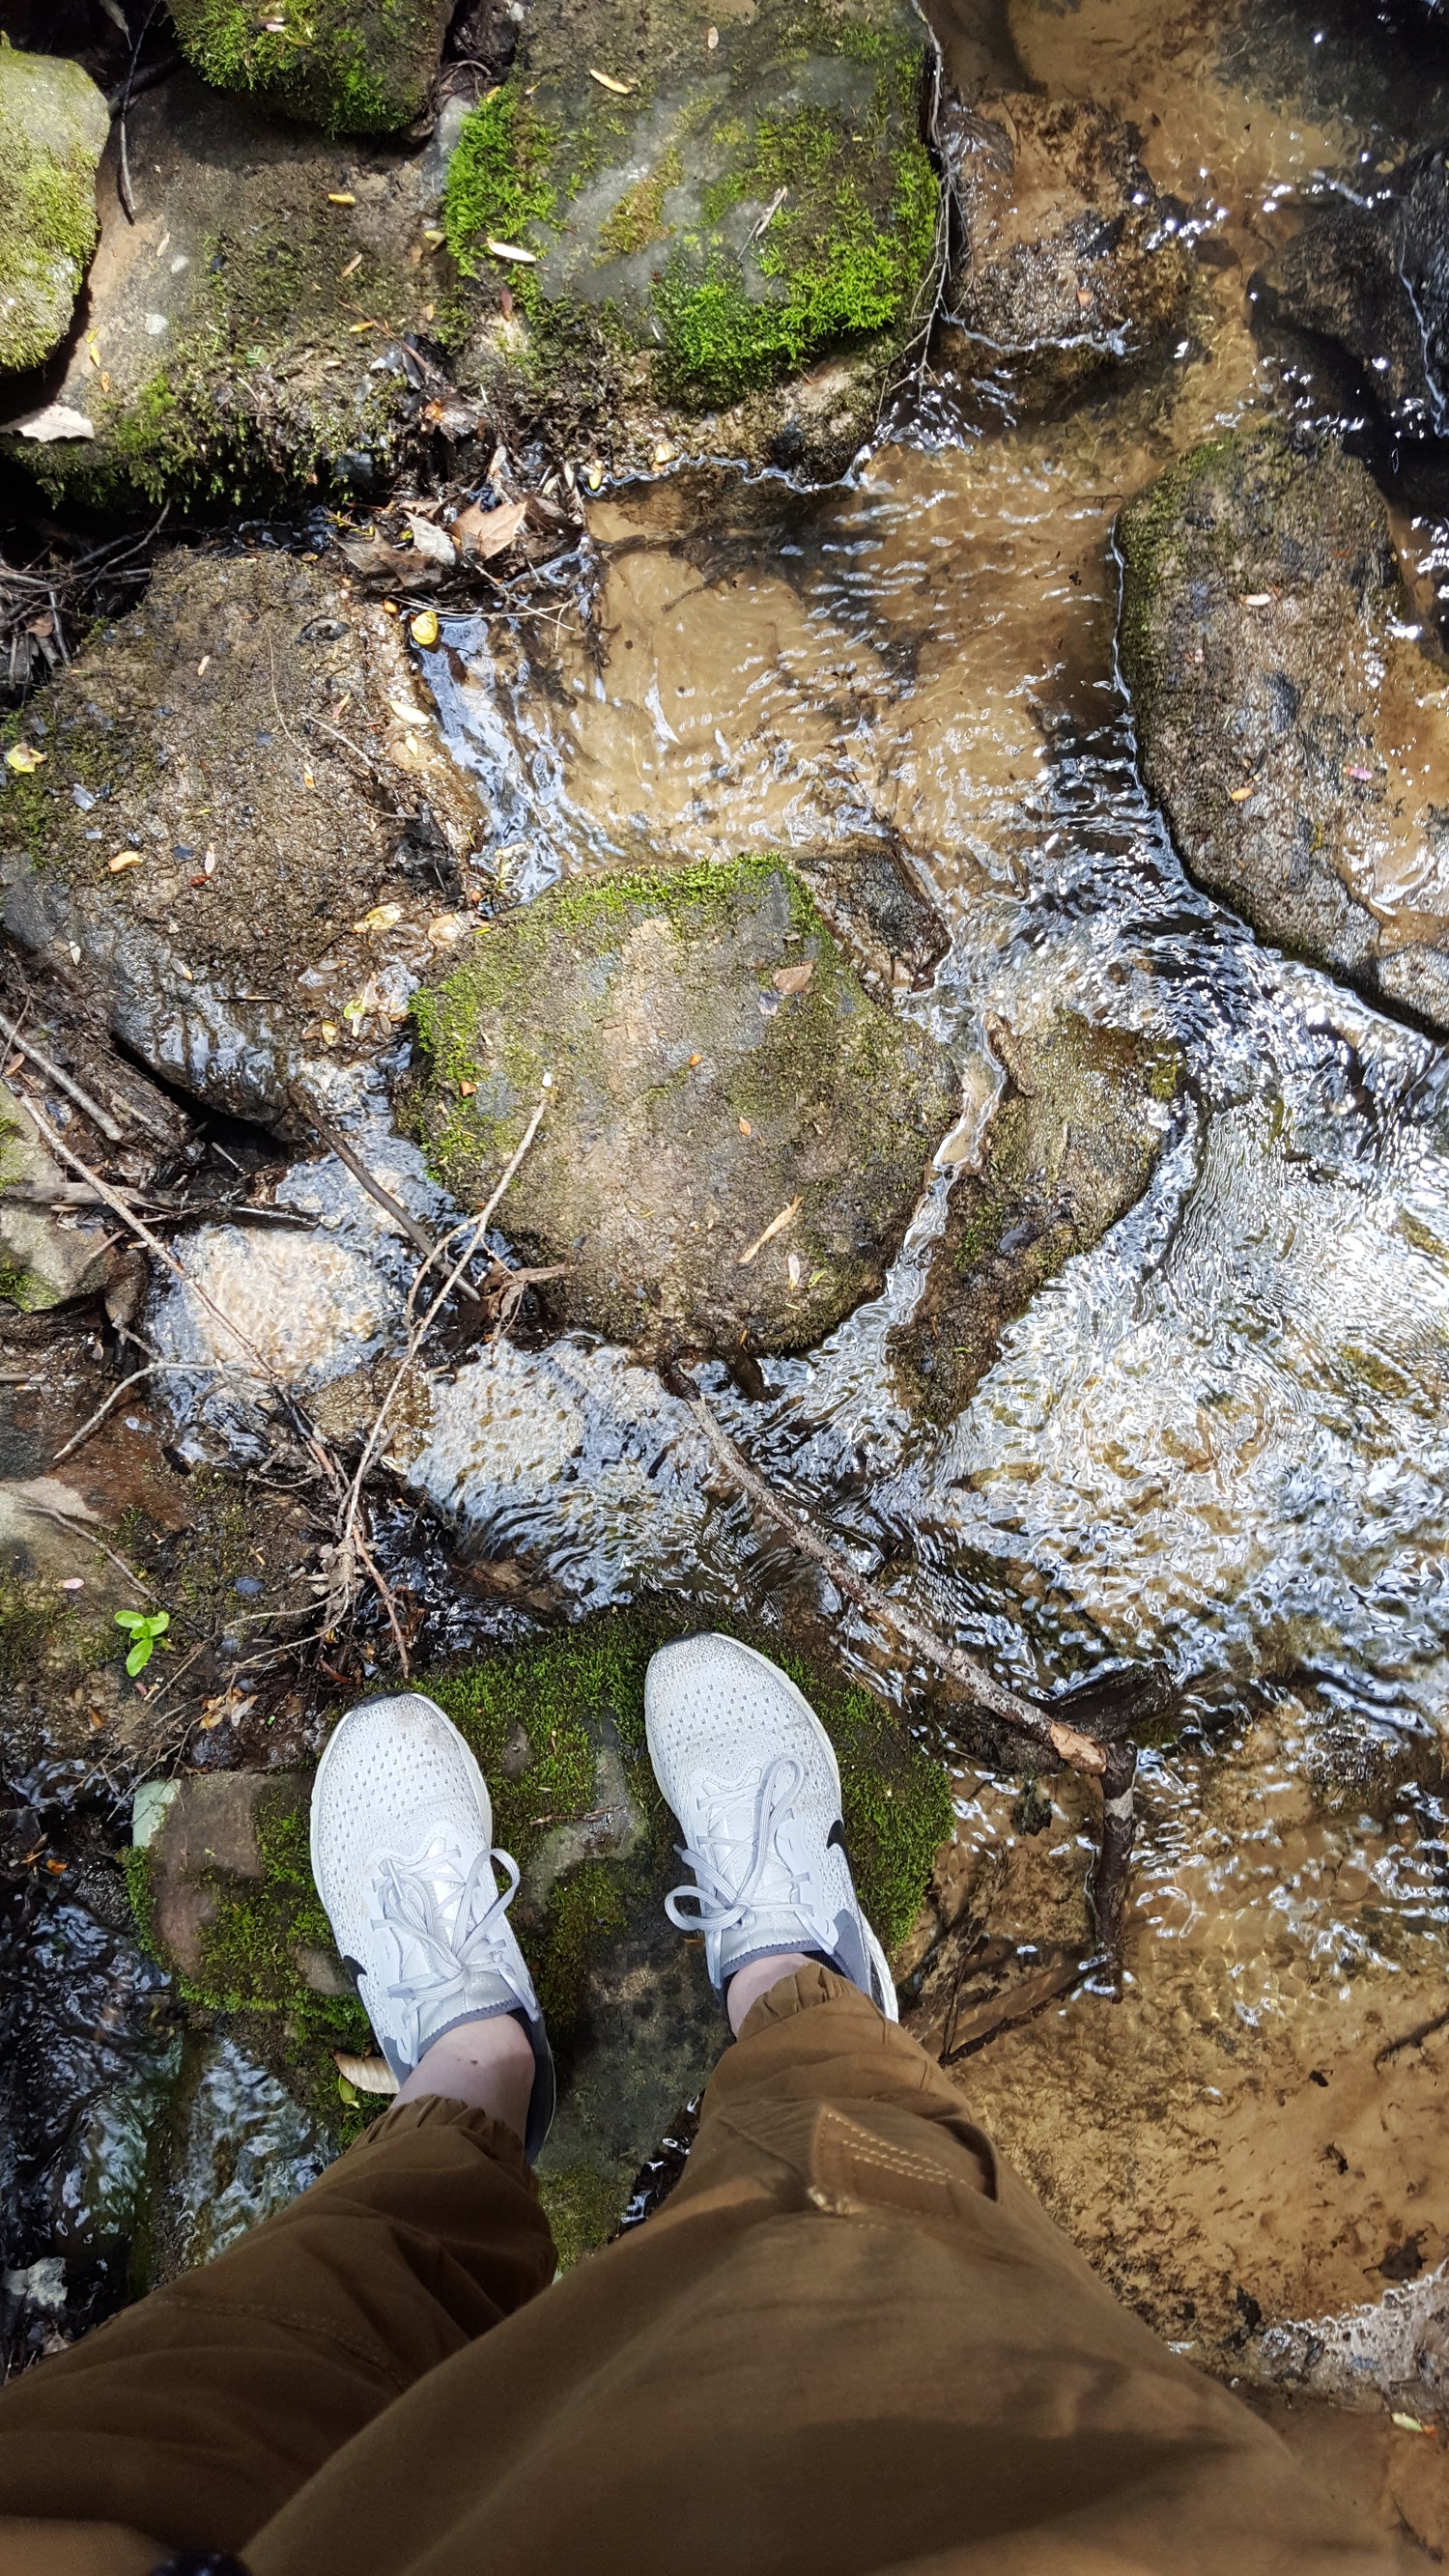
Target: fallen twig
<point>67,1083</point>
<point>336,1143</point>
<point>153,1368</point>
<point>1080,1752</point>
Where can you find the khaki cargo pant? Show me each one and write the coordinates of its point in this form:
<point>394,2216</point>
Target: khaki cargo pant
<point>850,2341</point>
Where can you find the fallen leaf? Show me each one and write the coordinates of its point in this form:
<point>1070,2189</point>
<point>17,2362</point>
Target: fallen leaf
<point>209,862</point>
<point>745,1128</point>
<point>1239,795</point>
<point>431,543</point>
<point>466,1090</point>
<point>367,2074</point>
<point>73,1583</point>
<point>329,1033</point>
<point>124,859</point>
<point>53,420</point>
<point>793,979</point>
<point>433,236</point>
<point>512,250</point>
<point>424,627</point>
<point>776,1226</point>
<point>1084,298</point>
<point>664,451</point>
<point>621,89</point>
<point>1409,2424</point>
<point>794,1269</point>
<point>353,265</point>
<point>356,327</point>
<point>203,666</point>
<point>382,917</point>
<point>307,778</point>
<point>340,197</point>
<point>694,1060</point>
<point>56,1868</point>
<point>711,38</point>
<point>23,757</point>
<point>593,476</point>
<point>445,927</point>
<point>486,533</point>
<point>408,715</point>
<point>1257,599</point>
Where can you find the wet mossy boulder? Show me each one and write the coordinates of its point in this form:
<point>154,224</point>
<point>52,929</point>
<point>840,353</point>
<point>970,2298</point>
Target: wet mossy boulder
<point>205,837</point>
<point>1291,727</point>
<point>42,1260</point>
<point>1069,1147</point>
<point>693,215</point>
<point>1068,264</point>
<point>736,1133</point>
<point>353,66</point>
<point>245,334</point>
<point>1371,276</point>
<point>222,1892</point>
<point>53,128</point>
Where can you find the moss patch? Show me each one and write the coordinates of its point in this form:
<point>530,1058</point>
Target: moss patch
<point>53,128</point>
<point>353,66</point>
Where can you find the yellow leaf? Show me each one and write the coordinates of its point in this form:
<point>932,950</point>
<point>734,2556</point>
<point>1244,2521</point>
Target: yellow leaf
<point>605,80</point>
<point>433,237</point>
<point>776,1226</point>
<point>593,476</point>
<point>356,327</point>
<point>381,917</point>
<point>1239,795</point>
<point>340,197</point>
<point>124,859</point>
<point>424,627</point>
<point>329,1033</point>
<point>23,757</point>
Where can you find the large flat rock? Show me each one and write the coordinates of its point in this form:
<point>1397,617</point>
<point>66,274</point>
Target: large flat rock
<point>1290,725</point>
<point>736,1132</point>
<point>250,733</point>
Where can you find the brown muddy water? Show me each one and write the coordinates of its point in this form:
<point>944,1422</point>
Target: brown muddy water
<point>1219,1439</point>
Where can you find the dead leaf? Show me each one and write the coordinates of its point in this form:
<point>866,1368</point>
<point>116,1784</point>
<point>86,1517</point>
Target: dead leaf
<point>424,627</point>
<point>383,916</point>
<point>445,927</point>
<point>486,533</point>
<point>1239,795</point>
<point>512,250</point>
<point>745,1128</point>
<point>53,420</point>
<point>1257,599</point>
<point>352,266</point>
<point>793,979</point>
<point>776,1226</point>
<point>124,859</point>
<point>365,2074</point>
<point>407,714</point>
<point>340,197</point>
<point>23,757</point>
<point>711,38</point>
<point>621,89</point>
<point>466,1090</point>
<point>431,543</point>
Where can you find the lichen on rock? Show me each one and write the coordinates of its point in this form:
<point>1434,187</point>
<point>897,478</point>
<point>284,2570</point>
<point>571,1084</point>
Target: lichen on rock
<point>353,66</point>
<point>53,128</point>
<point>704,213</point>
<point>196,742</point>
<point>1069,1147</point>
<point>1291,726</point>
<point>1068,264</point>
<point>735,1133</point>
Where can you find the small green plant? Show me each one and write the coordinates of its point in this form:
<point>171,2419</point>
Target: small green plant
<point>143,1627</point>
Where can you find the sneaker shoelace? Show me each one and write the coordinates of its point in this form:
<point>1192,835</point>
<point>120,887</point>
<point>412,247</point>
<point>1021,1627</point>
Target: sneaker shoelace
<point>411,1907</point>
<point>721,1898</point>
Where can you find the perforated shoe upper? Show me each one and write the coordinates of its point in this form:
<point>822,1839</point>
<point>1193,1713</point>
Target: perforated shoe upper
<point>402,1828</point>
<point>751,1774</point>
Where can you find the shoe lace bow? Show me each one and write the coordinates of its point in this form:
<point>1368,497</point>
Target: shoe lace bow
<point>452,1951</point>
<point>723,1896</point>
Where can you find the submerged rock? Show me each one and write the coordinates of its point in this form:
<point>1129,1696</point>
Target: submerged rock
<point>1290,726</point>
<point>736,1133</point>
<point>690,220</point>
<point>1373,278</point>
<point>246,330</point>
<point>1068,265</point>
<point>1068,1148</point>
<point>355,66</point>
<point>53,128</point>
<point>247,746</point>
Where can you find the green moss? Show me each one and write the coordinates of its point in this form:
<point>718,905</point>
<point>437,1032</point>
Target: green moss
<point>136,1870</point>
<point>581,2205</point>
<point>638,218</point>
<point>43,1629</point>
<point>52,128</point>
<point>498,187</point>
<point>352,66</point>
<point>585,1912</point>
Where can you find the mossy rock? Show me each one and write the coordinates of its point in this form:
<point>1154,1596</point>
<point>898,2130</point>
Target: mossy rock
<point>1067,267</point>
<point>707,213</point>
<point>1293,731</point>
<point>736,1133</point>
<point>1069,1147</point>
<point>558,1727</point>
<point>42,1262</point>
<point>192,726</point>
<point>353,66</point>
<point>243,336</point>
<point>53,128</point>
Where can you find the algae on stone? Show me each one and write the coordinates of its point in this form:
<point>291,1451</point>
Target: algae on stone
<point>202,722</point>
<point>735,1134</point>
<point>721,218</point>
<point>1069,1147</point>
<point>353,66</point>
<point>1291,727</point>
<point>53,128</point>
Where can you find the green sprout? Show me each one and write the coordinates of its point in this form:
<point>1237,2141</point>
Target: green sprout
<point>144,1627</point>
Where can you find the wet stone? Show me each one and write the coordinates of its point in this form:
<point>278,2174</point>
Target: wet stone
<point>1068,1148</point>
<point>1068,265</point>
<point>735,1133</point>
<point>1373,278</point>
<point>203,723</point>
<point>732,226</point>
<point>241,2147</point>
<point>53,128</point>
<point>42,1261</point>
<point>1291,728</point>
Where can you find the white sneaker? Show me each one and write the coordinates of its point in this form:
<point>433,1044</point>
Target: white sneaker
<point>751,1774</point>
<point>402,1832</point>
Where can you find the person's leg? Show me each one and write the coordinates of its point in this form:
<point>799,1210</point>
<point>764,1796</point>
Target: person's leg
<point>192,2417</point>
